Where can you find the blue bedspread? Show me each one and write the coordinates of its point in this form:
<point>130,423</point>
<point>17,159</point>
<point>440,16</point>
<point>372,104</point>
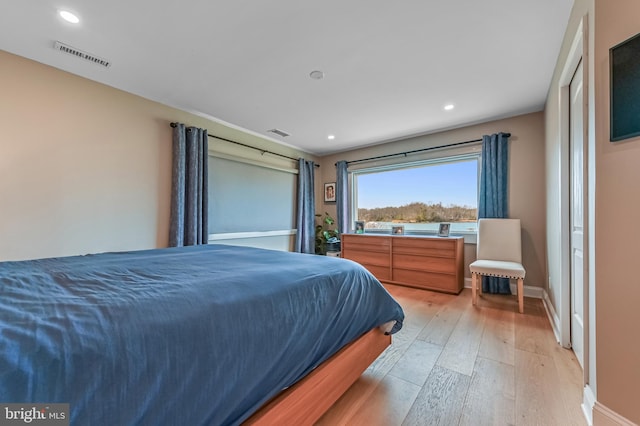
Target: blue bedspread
<point>183,336</point>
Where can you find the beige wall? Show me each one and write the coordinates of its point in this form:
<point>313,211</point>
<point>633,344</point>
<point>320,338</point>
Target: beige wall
<point>526,179</point>
<point>611,372</point>
<point>616,227</point>
<point>85,168</point>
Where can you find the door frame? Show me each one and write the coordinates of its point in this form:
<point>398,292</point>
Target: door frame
<point>573,59</point>
<point>579,51</point>
<point>576,54</point>
<point>582,192</point>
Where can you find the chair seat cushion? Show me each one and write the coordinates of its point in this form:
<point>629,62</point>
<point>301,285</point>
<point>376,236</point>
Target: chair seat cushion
<point>496,268</point>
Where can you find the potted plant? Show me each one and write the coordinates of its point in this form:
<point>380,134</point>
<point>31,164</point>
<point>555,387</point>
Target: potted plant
<point>327,234</point>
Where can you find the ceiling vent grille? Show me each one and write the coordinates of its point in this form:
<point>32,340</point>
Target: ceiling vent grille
<point>80,54</point>
<point>280,132</point>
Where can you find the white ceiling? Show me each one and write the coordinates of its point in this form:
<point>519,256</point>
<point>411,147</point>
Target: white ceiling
<point>390,66</point>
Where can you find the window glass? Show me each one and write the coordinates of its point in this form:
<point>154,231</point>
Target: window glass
<point>418,197</point>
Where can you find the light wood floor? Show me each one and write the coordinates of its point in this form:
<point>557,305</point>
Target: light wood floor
<point>455,364</point>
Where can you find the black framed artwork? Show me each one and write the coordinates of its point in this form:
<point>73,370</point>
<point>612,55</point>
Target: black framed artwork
<point>624,68</point>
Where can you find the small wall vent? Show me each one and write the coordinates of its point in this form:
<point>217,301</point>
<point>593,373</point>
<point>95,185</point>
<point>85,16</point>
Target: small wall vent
<point>80,54</point>
<point>279,132</point>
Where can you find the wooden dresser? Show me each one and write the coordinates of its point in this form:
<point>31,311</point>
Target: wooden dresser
<point>432,263</point>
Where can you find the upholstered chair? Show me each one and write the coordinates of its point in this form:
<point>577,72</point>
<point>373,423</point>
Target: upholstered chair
<point>499,254</point>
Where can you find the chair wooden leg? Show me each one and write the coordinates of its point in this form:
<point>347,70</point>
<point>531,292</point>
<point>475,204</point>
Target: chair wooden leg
<point>521,295</point>
<point>474,284</point>
<point>480,285</point>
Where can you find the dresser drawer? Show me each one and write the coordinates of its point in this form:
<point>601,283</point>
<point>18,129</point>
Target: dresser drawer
<point>380,272</point>
<point>425,247</point>
<point>424,263</point>
<point>367,257</point>
<point>429,280</point>
<point>366,243</point>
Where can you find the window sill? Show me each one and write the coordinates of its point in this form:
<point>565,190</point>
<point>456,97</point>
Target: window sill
<point>469,237</point>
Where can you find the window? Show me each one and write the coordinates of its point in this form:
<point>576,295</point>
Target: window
<point>250,198</point>
<point>251,203</point>
<point>418,196</point>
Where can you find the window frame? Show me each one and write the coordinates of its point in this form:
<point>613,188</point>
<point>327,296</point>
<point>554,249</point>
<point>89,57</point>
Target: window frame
<point>443,158</point>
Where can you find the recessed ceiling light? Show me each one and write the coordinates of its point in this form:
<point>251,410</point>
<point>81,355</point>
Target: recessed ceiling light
<point>316,75</point>
<point>331,137</point>
<point>449,107</point>
<point>69,17</point>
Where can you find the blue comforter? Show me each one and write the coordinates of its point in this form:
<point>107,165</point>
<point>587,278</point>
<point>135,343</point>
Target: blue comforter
<point>181,336</point>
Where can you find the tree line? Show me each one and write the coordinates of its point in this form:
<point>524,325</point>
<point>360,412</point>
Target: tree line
<point>419,212</point>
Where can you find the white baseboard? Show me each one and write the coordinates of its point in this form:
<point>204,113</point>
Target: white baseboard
<point>529,290</point>
<point>554,319</point>
<point>588,401</point>
<point>604,416</point>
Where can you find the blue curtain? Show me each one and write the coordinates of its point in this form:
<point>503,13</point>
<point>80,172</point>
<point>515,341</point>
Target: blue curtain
<point>189,189</point>
<point>342,197</point>
<point>493,203</point>
<point>306,235</point>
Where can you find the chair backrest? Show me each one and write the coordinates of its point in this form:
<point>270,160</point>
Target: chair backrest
<point>499,239</point>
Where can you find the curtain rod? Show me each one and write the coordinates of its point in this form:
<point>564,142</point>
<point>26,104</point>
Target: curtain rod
<point>420,150</point>
<point>263,151</point>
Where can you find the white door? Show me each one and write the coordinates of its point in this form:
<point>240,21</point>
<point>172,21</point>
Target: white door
<point>577,205</point>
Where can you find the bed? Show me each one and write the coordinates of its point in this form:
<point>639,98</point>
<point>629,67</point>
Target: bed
<point>211,335</point>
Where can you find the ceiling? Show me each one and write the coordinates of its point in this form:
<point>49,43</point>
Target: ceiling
<point>389,66</point>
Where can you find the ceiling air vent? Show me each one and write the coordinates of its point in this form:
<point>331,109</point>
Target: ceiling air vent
<point>80,54</point>
<point>279,132</point>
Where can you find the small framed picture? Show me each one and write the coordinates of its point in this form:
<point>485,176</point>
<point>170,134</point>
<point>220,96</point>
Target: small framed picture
<point>359,227</point>
<point>330,192</point>
<point>443,231</point>
<point>397,230</point>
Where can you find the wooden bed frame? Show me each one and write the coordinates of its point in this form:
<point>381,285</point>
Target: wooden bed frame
<point>306,401</point>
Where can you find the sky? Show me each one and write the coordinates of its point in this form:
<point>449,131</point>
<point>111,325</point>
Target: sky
<point>449,183</point>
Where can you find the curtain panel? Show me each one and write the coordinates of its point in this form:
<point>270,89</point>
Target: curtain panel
<point>189,187</point>
<point>342,197</point>
<point>494,203</point>
<point>306,237</point>
<point>494,177</point>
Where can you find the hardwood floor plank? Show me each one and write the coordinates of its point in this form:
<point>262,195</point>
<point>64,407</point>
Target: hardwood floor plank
<point>417,362</point>
<point>570,379</point>
<point>491,396</point>
<point>498,339</point>
<point>441,399</point>
<point>461,350</point>
<point>539,398</point>
<point>441,326</point>
<point>387,360</point>
<point>388,404</point>
<point>533,334</point>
